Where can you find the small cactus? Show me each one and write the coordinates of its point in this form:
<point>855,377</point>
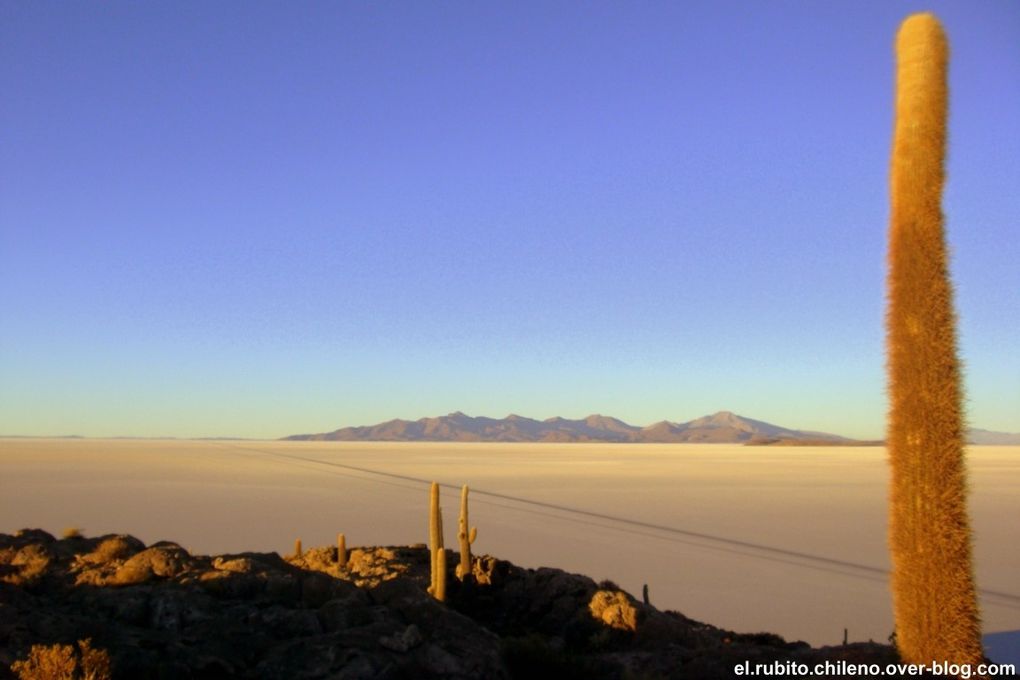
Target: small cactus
<point>297,548</point>
<point>341,550</point>
<point>466,536</point>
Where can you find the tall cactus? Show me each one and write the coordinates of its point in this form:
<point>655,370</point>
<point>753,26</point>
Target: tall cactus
<point>465,535</point>
<point>929,536</point>
<point>436,549</point>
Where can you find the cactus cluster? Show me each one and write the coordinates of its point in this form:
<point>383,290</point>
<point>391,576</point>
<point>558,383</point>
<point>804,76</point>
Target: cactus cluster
<point>466,534</point>
<point>933,589</point>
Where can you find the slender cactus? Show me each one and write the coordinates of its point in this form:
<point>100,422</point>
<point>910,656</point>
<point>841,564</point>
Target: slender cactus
<point>465,535</point>
<point>436,549</point>
<point>341,550</point>
<point>297,548</point>
<point>440,593</point>
<point>933,589</point>
<point>433,533</point>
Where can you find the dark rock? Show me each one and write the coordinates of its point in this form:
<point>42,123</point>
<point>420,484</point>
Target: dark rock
<point>163,613</point>
<point>405,641</point>
<point>159,561</point>
<point>351,611</point>
<point>27,536</point>
<point>317,589</point>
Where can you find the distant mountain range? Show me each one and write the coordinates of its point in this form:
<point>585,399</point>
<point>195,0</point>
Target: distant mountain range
<point>721,428</point>
<point>987,437</point>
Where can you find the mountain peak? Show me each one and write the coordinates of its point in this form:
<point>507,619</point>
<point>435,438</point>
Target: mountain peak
<point>720,419</point>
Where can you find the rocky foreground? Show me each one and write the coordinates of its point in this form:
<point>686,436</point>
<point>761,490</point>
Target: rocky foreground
<point>161,612</point>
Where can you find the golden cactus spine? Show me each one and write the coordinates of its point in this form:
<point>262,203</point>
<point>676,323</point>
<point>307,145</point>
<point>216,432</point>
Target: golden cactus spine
<point>436,549</point>
<point>933,589</point>
<point>465,535</point>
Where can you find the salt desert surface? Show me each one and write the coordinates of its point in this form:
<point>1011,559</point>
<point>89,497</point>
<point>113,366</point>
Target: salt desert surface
<point>786,540</point>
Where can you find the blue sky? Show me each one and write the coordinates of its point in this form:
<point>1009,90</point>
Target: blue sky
<point>263,218</point>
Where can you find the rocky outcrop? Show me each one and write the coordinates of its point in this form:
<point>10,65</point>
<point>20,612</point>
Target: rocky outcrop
<point>162,612</point>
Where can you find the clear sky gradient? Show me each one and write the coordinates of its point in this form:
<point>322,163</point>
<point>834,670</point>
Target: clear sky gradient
<point>264,218</point>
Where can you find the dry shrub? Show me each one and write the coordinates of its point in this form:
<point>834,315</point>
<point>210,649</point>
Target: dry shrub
<point>95,663</point>
<point>614,609</point>
<point>62,662</point>
<point>55,662</point>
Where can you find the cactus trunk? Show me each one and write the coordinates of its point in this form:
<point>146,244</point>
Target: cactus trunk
<point>440,593</point>
<point>465,535</point>
<point>436,549</point>
<point>933,589</point>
